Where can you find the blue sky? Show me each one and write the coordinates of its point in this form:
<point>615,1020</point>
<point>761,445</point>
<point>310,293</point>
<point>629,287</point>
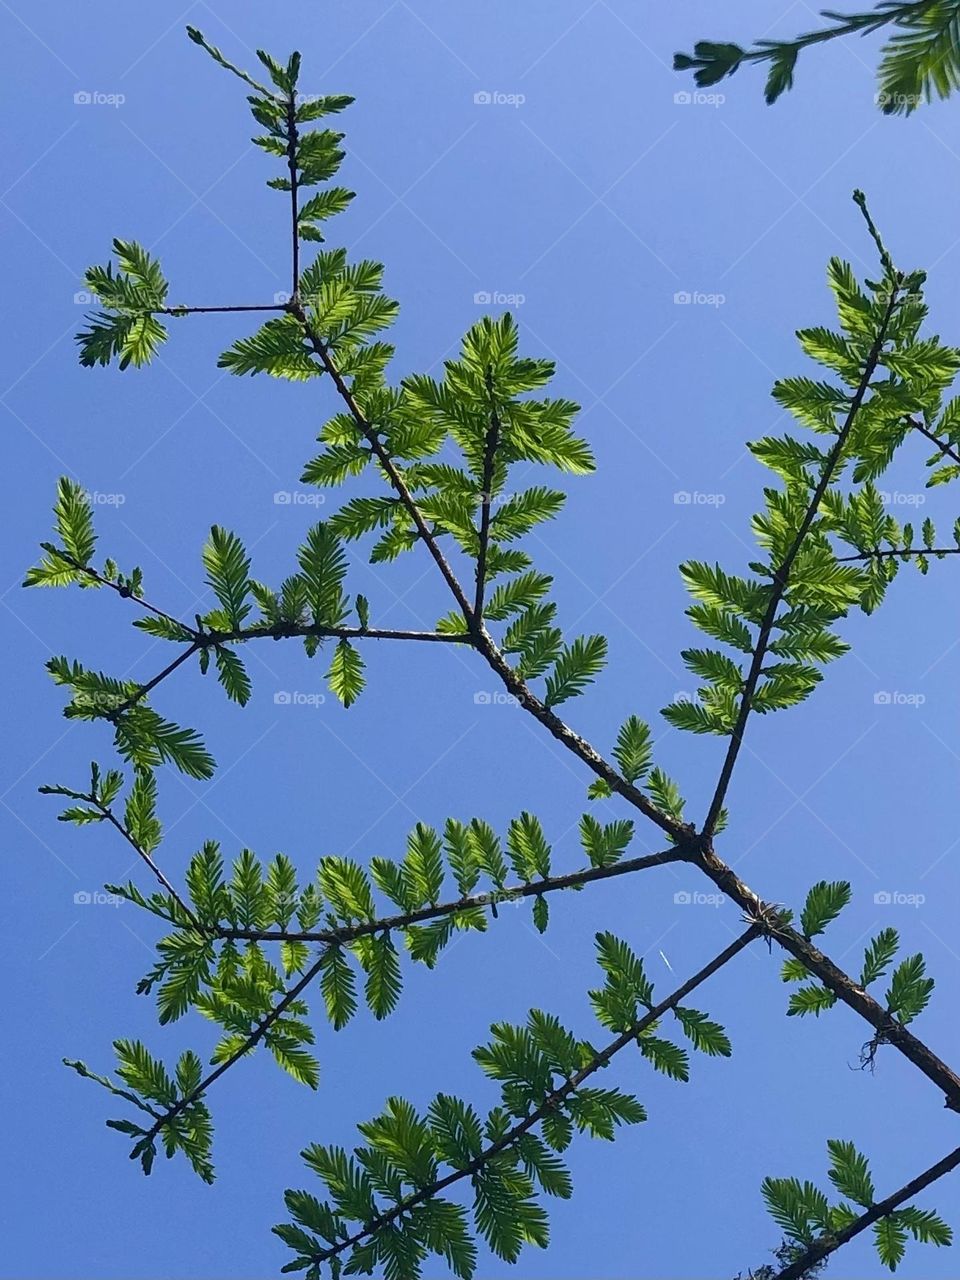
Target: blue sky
<point>594,200</point>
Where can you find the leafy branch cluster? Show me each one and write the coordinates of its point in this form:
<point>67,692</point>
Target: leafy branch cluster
<point>445,461</point>
<point>920,61</point>
<point>542,1069</point>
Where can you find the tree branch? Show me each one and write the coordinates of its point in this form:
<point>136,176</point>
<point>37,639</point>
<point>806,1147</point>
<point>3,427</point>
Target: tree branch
<point>301,985</point>
<point>701,853</point>
<point>283,630</point>
<point>827,1244</point>
<point>253,1039</point>
<point>833,977</point>
<point>509,893</point>
<point>782,574</point>
<point>272,631</point>
<point>386,461</point>
<point>680,831</point>
<point>947,449</point>
<point>386,924</point>
<point>278,631</point>
<point>700,847</point>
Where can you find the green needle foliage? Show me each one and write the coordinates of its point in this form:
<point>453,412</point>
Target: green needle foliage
<point>920,60</point>
<point>805,1214</point>
<point>386,1208</point>
<point>910,989</point>
<point>459,470</point>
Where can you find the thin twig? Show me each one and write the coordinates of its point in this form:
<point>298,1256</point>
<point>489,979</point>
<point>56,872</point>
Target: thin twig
<point>280,631</point>
<point>902,553</point>
<point>121,590</point>
<point>283,630</point>
<point>193,311</point>
<point>947,449</point>
<point>782,575</point>
<point>386,924</point>
<point>292,140</point>
<point>142,853</point>
<point>486,497</point>
<point>393,473</point>
<point>509,893</point>
<point>114,713</point>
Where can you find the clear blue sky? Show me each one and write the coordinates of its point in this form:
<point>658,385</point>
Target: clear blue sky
<point>596,199</point>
